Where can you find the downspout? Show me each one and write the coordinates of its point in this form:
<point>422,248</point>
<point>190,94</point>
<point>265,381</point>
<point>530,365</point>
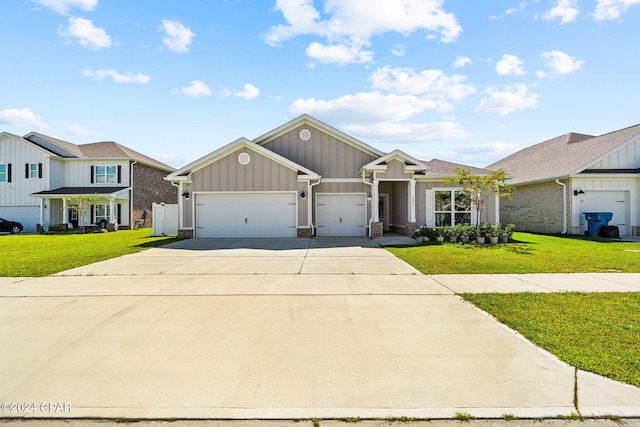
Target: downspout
<point>564,206</point>
<point>371,192</point>
<point>131,198</point>
<point>310,206</point>
<point>180,213</point>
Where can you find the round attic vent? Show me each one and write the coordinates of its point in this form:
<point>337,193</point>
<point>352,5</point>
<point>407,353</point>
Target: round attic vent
<point>244,159</point>
<point>305,134</point>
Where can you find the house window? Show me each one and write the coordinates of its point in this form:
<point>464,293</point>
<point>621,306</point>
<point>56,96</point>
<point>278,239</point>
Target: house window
<point>452,207</point>
<point>33,170</point>
<point>3,173</point>
<point>106,175</point>
<point>102,212</point>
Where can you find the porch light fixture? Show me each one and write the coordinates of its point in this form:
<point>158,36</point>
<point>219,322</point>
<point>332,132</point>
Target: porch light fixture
<point>185,194</point>
<point>303,196</point>
<point>369,197</point>
<point>578,191</point>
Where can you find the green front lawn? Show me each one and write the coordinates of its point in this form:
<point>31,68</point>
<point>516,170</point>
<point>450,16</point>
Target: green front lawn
<point>529,253</point>
<point>32,255</point>
<point>595,332</point>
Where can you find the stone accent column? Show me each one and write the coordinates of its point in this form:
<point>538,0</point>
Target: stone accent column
<point>410,227</point>
<point>376,229</point>
<point>304,232</point>
<point>185,234</point>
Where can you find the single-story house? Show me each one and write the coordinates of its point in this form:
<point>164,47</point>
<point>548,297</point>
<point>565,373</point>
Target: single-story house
<point>306,178</point>
<point>558,180</point>
<point>40,175</point>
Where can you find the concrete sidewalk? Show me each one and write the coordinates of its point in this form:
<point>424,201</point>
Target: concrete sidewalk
<point>298,328</point>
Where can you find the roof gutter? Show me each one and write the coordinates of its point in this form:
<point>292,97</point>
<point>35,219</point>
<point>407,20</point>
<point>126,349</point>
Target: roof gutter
<point>564,205</point>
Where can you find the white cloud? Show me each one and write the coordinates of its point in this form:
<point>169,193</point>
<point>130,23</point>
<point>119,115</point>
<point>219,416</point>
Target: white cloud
<point>62,6</point>
<point>117,77</point>
<point>196,89</point>
<point>249,92</point>
<point>86,33</point>
<point>350,24</point>
<point>398,50</point>
<point>77,130</point>
<point>340,54</point>
<point>177,37</point>
<point>509,65</point>
<point>364,107</point>
<point>513,98</point>
<point>409,132</point>
<point>461,62</point>
<point>612,9</point>
<point>561,63</point>
<point>428,83</point>
<point>566,10</point>
<point>21,118</point>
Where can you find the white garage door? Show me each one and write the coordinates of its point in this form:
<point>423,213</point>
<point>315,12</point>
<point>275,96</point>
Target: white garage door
<point>246,215</point>
<point>606,201</point>
<point>340,214</point>
<point>28,216</point>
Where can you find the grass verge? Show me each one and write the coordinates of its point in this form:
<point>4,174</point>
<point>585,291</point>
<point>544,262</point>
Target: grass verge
<point>595,332</point>
<point>35,255</point>
<point>528,253</point>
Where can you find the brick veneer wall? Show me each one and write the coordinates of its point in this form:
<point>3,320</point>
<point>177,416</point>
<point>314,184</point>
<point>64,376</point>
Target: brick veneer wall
<point>150,187</point>
<point>536,208</point>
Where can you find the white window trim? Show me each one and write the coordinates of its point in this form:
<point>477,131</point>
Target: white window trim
<point>105,175</point>
<point>4,174</point>
<point>431,205</point>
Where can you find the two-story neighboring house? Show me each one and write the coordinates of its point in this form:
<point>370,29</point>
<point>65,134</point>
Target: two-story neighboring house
<point>40,175</point>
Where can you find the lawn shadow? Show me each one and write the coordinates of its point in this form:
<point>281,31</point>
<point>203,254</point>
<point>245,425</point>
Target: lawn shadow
<point>157,243</point>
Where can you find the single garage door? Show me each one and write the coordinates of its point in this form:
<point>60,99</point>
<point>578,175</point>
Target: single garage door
<point>28,216</point>
<point>245,215</point>
<point>340,214</point>
<point>606,201</point>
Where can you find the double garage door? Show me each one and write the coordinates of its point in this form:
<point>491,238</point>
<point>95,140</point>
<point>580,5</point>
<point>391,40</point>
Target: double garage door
<point>28,216</point>
<point>246,215</point>
<point>267,214</point>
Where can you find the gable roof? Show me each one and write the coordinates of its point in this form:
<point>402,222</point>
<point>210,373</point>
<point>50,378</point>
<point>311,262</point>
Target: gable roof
<point>182,173</point>
<point>311,121</point>
<point>442,167</point>
<point>96,150</point>
<point>411,163</point>
<point>26,141</point>
<point>562,156</point>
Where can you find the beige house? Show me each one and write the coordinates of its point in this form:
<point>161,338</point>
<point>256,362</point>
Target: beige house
<point>306,178</point>
<point>558,180</point>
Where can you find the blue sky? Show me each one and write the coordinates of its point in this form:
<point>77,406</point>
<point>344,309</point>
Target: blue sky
<point>463,81</point>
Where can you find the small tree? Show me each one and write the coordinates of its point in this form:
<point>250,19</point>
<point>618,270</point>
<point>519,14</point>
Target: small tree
<point>82,206</point>
<point>480,187</point>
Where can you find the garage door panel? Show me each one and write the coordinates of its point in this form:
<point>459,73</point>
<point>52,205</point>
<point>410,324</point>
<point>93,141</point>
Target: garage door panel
<point>246,215</point>
<point>340,214</point>
<point>606,201</point>
<point>28,216</point>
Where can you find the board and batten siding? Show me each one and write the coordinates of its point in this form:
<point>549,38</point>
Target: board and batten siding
<point>395,170</point>
<point>626,157</point>
<point>18,153</point>
<point>77,173</point>
<point>324,154</point>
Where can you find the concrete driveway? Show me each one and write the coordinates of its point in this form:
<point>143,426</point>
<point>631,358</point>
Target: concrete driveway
<point>270,328</point>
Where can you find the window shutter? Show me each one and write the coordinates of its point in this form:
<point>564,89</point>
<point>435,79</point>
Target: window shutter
<point>431,208</point>
<point>119,174</point>
<point>39,170</point>
<point>26,170</point>
<point>92,211</point>
<point>119,213</point>
<point>92,176</point>
<point>9,172</point>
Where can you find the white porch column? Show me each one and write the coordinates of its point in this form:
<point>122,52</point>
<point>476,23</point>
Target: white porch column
<point>497,208</point>
<point>42,211</point>
<point>65,213</point>
<point>111,210</point>
<point>375,202</point>
<point>412,200</point>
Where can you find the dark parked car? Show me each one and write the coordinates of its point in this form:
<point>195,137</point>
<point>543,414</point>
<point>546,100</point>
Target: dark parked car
<point>10,226</point>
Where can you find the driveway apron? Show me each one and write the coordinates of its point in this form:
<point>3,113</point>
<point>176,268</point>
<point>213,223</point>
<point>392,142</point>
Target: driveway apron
<point>274,328</point>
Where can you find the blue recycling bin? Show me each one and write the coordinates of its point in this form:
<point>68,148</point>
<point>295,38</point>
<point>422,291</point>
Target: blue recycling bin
<point>595,220</point>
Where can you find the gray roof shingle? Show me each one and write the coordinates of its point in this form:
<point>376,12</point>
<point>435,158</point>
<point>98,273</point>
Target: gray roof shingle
<point>561,156</point>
